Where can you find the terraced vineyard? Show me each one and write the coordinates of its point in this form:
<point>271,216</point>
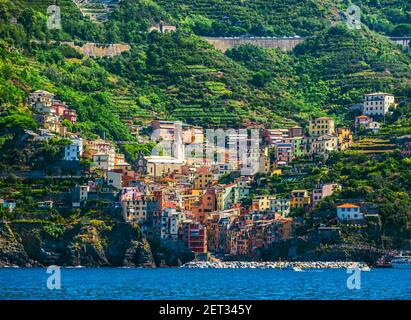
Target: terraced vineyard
<point>96,10</point>
<point>128,111</point>
<point>257,17</point>
<point>373,146</point>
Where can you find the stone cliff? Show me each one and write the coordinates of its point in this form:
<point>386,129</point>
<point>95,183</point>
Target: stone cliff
<point>28,244</point>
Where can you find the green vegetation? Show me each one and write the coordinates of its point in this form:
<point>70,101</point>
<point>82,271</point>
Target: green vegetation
<point>179,76</point>
<point>280,18</point>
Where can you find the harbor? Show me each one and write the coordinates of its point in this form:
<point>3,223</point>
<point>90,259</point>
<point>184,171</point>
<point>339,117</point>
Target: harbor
<point>296,266</point>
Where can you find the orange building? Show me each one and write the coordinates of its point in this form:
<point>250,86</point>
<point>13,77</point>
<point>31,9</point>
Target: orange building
<point>299,199</point>
<point>204,206</point>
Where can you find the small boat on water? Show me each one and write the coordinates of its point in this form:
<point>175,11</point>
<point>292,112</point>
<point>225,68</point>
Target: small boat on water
<point>383,263</point>
<point>297,269</point>
<point>401,262</point>
<point>366,269</point>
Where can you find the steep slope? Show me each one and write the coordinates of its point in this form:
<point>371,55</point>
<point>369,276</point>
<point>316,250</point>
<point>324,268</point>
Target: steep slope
<point>332,70</point>
<point>280,17</point>
<point>180,76</point>
<point>351,63</point>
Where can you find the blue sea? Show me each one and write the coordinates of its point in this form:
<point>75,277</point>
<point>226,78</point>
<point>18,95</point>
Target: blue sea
<point>203,284</point>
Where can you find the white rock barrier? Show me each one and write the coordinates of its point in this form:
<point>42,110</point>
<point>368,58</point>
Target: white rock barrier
<point>274,265</point>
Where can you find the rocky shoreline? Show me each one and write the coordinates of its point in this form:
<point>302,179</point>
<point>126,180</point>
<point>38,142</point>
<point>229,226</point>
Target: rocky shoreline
<point>273,265</point>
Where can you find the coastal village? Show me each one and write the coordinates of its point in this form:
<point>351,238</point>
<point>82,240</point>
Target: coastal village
<point>179,197</point>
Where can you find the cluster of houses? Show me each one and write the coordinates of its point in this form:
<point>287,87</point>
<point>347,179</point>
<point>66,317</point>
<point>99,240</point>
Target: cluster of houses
<point>375,107</point>
<point>51,112</point>
<point>177,194</point>
<point>323,137</point>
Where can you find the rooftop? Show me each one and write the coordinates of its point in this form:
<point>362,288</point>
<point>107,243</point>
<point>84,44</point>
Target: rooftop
<point>347,205</point>
<point>163,159</point>
<point>378,94</point>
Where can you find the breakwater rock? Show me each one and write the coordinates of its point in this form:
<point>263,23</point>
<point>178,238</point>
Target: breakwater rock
<point>274,265</point>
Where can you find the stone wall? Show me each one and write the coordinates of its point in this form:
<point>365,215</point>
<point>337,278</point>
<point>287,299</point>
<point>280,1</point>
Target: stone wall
<point>90,49</point>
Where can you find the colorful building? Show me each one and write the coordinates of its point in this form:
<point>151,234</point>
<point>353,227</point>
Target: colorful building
<point>203,180</point>
<point>70,115</point>
<point>377,104</point>
<point>349,211</point>
<point>284,153</point>
<point>299,199</point>
<point>344,138</point>
<point>74,151</point>
<point>195,236</point>
<point>321,126</point>
<point>42,100</point>
<point>323,190</point>
<point>321,145</point>
<point>281,206</point>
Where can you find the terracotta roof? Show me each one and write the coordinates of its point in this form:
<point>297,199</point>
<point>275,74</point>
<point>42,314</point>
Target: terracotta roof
<point>169,204</point>
<point>347,205</point>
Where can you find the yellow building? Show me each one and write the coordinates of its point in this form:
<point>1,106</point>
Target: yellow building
<point>276,172</point>
<point>203,180</point>
<point>344,138</point>
<point>264,164</point>
<point>159,166</point>
<point>299,198</point>
<point>321,126</point>
<point>262,203</point>
<point>188,201</point>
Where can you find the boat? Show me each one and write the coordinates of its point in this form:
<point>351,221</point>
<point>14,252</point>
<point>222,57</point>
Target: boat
<point>383,262</point>
<point>401,262</point>
<point>366,269</point>
<point>297,269</point>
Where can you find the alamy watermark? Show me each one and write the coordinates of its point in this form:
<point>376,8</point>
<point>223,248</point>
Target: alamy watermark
<point>353,17</point>
<point>54,19</point>
<point>238,147</point>
<point>54,280</point>
<point>354,280</point>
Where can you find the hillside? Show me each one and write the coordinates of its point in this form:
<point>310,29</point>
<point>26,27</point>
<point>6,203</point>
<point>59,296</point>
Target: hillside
<point>279,17</point>
<point>180,76</point>
<point>331,70</point>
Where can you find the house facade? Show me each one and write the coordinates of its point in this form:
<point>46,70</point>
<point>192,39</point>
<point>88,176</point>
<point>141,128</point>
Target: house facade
<point>377,104</point>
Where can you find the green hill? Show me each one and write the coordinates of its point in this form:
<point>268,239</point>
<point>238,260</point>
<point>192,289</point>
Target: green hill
<point>180,76</point>
<point>331,70</point>
<point>285,17</point>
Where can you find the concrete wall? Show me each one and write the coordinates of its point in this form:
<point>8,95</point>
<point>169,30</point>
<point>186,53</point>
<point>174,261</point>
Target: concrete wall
<point>223,44</point>
<point>286,44</point>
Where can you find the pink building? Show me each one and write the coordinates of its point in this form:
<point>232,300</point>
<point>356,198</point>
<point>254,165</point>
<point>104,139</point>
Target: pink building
<point>70,115</point>
<point>363,121</point>
<point>323,190</point>
<point>195,235</point>
<point>406,149</point>
<point>60,107</point>
<point>284,153</point>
